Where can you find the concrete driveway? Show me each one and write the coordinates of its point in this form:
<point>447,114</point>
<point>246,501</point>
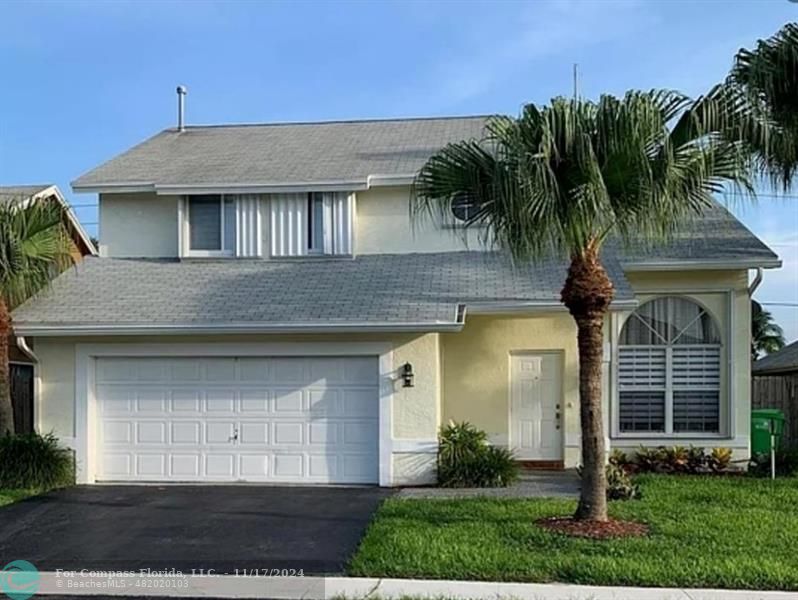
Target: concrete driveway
<point>222,528</point>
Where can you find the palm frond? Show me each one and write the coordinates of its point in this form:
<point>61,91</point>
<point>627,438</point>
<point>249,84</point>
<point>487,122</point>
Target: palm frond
<point>564,177</point>
<point>34,247</point>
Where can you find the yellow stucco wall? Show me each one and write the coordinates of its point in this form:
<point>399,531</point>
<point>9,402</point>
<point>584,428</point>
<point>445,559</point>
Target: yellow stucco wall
<point>476,371</point>
<point>383,226</point>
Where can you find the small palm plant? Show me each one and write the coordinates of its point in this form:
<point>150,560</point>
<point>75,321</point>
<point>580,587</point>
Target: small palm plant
<point>561,180</point>
<point>766,336</point>
<point>34,248</point>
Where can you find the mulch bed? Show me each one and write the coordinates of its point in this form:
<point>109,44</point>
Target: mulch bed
<point>594,530</point>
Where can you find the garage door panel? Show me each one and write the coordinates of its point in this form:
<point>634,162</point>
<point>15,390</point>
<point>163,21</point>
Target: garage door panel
<point>116,432</point>
<point>219,466</point>
<point>254,467</point>
<point>255,370</point>
<point>150,432</point>
<point>219,432</point>
<point>117,464</point>
<point>289,400</point>
<point>220,370</point>
<point>254,433</point>
<point>290,419</point>
<point>323,466</point>
<point>255,401</point>
<point>287,433</point>
<point>151,466</point>
<point>186,432</point>
<point>289,466</point>
<point>185,401</point>
<point>184,466</point>
<point>288,370</point>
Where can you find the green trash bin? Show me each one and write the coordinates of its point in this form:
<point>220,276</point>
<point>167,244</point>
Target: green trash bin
<point>762,419</point>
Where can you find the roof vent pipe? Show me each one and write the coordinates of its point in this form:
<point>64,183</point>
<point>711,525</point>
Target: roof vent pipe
<point>181,107</point>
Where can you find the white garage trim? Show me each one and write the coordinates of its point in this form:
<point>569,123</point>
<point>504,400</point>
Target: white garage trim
<point>86,404</point>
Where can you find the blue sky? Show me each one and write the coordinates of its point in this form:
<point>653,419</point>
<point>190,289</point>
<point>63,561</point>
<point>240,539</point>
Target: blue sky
<point>86,80</point>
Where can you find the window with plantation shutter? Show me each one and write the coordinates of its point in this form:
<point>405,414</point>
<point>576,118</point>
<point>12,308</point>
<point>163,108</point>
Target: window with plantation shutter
<point>669,369</point>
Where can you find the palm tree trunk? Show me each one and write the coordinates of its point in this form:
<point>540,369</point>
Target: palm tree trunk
<point>6,408</point>
<point>587,293</point>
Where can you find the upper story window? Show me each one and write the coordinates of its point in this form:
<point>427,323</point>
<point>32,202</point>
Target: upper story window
<point>312,224</point>
<point>211,225</point>
<point>216,225</point>
<point>318,222</point>
<point>464,208</point>
<point>669,369</point>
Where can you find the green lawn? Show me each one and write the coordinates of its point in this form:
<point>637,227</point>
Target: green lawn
<point>734,532</point>
<point>9,496</point>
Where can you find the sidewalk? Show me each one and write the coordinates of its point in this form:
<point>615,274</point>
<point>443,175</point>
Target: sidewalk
<point>327,588</point>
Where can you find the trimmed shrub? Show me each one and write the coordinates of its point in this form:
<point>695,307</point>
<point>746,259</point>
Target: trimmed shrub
<point>465,459</point>
<point>619,483</point>
<point>31,460</point>
<point>677,460</point>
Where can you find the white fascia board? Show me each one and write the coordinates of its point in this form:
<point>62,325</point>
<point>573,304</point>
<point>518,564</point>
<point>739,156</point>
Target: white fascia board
<point>263,188</point>
<point>129,187</point>
<point>701,265</point>
<point>353,185</point>
<point>390,180</point>
<point>230,328</point>
<point>493,308</point>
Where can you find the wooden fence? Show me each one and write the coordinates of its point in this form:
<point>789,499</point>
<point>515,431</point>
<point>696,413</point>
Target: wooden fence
<point>779,391</point>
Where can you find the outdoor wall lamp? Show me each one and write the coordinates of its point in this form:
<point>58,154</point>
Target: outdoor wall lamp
<point>407,375</point>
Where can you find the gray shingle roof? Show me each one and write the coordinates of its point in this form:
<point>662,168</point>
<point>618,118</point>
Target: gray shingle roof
<point>716,235</point>
<point>784,360</point>
<point>286,153</point>
<point>16,192</point>
<point>388,289</point>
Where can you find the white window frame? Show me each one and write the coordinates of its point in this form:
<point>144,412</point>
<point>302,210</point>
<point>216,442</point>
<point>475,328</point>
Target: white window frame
<point>725,400</point>
<point>324,246</point>
<point>210,253</point>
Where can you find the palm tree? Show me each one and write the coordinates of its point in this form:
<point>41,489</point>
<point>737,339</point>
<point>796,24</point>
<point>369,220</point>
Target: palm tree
<point>561,180</point>
<point>767,78</point>
<point>766,336</point>
<point>34,247</point>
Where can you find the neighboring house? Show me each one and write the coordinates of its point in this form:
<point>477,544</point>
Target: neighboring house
<point>21,363</point>
<point>775,385</point>
<point>264,309</point>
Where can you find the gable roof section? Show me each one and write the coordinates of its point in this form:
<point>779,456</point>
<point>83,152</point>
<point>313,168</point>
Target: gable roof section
<point>276,157</point>
<point>9,193</point>
<point>713,240</point>
<point>783,361</point>
<point>389,292</point>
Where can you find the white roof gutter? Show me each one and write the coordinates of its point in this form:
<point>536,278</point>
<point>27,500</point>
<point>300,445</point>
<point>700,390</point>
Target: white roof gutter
<point>701,265</point>
<point>56,330</point>
<point>285,187</point>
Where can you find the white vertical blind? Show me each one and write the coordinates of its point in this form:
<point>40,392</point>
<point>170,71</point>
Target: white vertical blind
<point>342,218</point>
<point>669,372</point>
<point>248,226</point>
<point>289,224</point>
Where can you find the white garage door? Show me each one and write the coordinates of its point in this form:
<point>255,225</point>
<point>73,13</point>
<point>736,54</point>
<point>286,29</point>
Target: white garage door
<point>276,419</point>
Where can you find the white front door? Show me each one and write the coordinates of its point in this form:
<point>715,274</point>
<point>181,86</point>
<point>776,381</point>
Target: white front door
<point>536,406</point>
<point>276,419</point>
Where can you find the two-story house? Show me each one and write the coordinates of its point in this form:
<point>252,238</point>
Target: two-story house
<point>264,308</point>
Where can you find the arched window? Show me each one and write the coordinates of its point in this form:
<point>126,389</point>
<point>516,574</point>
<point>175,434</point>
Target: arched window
<point>669,369</point>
